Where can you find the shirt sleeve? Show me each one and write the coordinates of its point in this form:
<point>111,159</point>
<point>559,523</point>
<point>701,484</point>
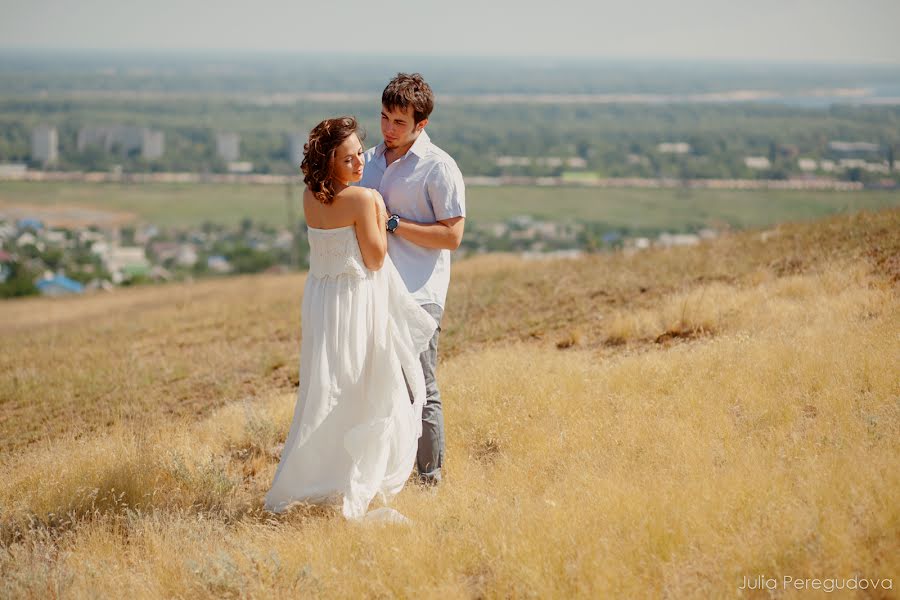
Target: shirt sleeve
<point>446,191</point>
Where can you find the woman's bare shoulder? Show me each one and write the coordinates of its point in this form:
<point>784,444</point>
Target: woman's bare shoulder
<point>374,192</point>
<point>356,196</point>
<point>358,191</point>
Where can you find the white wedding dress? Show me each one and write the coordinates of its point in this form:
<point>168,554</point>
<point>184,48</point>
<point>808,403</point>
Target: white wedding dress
<point>355,433</point>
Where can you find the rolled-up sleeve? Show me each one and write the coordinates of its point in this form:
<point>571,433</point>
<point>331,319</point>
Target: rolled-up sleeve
<point>446,191</point>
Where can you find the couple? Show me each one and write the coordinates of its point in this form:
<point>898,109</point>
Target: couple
<point>368,407</point>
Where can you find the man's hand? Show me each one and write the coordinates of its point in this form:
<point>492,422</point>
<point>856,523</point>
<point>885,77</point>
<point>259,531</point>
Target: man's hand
<point>443,235</point>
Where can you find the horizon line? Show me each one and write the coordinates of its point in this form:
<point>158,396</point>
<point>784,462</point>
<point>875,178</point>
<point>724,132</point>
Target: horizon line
<point>273,52</point>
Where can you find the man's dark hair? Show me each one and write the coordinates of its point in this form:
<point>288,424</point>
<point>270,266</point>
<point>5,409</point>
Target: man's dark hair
<point>409,90</point>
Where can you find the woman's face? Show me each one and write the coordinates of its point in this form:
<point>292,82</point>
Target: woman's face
<point>347,165</point>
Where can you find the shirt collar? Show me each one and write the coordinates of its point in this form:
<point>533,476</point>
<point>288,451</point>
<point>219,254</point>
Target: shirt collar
<point>420,146</point>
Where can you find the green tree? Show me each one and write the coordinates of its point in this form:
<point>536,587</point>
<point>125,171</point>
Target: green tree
<point>53,258</point>
<point>127,234</point>
<point>19,283</point>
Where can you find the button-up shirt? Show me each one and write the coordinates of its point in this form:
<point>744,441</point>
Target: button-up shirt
<point>426,186</point>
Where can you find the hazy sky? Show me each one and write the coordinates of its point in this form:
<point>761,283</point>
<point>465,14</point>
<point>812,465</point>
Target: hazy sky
<point>781,30</point>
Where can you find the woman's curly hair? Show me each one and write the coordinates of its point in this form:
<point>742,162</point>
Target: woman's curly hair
<point>318,154</point>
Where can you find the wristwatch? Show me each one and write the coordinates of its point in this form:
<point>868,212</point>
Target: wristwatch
<point>392,223</point>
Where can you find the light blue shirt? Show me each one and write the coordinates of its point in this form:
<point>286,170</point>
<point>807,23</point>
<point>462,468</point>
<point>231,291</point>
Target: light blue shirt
<point>426,186</point>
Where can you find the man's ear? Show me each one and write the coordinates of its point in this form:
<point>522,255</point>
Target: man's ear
<point>421,124</point>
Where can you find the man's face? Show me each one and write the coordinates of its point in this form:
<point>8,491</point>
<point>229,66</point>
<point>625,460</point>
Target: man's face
<point>398,127</point>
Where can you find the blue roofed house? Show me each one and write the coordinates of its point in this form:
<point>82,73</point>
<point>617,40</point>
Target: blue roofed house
<point>30,223</point>
<point>59,285</point>
<point>218,264</point>
<point>612,238</point>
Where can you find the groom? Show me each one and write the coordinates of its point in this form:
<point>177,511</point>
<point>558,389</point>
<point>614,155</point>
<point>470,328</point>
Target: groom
<point>423,191</point>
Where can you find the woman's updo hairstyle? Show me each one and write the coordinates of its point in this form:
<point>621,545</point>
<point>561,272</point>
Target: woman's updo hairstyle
<point>318,153</point>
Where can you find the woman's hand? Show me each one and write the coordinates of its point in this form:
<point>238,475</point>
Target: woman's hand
<point>381,207</point>
<point>370,229</point>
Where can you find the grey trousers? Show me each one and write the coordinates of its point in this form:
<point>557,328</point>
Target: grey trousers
<point>430,456</point>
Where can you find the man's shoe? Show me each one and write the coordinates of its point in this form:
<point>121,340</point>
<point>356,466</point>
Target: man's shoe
<point>428,480</point>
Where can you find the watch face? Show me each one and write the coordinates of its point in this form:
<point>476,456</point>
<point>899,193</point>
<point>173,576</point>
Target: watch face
<point>392,223</point>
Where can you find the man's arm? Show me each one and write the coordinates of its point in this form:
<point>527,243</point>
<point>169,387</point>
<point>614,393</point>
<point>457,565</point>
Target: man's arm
<point>443,235</point>
<point>445,188</point>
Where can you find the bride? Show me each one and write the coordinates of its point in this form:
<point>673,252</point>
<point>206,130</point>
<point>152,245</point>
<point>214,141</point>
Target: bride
<point>354,434</point>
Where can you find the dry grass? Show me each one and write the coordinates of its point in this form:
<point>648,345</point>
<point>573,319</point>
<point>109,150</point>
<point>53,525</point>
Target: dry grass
<point>144,355</point>
<point>740,416</point>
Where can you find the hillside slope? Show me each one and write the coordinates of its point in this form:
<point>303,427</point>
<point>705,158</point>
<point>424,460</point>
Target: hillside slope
<point>185,349</point>
<point>659,424</point>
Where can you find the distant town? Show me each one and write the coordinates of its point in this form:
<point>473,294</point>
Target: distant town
<point>39,259</point>
<point>38,256</point>
<point>146,143</point>
<point>854,164</point>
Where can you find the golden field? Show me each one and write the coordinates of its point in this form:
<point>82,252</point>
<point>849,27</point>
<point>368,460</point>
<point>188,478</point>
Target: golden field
<point>662,424</point>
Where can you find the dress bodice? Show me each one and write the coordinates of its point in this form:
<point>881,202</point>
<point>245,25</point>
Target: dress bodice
<point>335,252</point>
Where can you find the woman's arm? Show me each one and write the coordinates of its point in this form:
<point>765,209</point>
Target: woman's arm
<point>370,230</point>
